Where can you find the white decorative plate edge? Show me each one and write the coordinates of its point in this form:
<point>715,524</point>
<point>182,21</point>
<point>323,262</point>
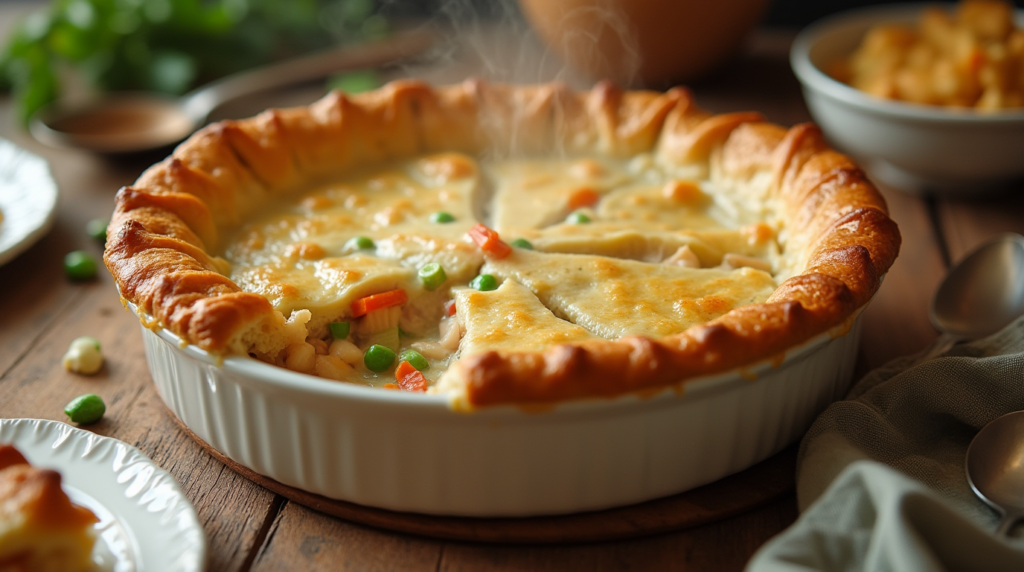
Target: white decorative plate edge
<point>163,526</point>
<point>28,200</point>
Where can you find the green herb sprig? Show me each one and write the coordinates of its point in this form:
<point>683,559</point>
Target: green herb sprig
<point>168,46</point>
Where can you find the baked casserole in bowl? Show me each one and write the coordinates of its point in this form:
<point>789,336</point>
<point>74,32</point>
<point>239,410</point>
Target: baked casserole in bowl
<point>493,300</point>
<point>957,137</point>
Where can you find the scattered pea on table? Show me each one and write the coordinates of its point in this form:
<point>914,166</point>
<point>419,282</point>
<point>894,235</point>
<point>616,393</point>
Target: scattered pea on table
<point>80,265</point>
<point>86,409</point>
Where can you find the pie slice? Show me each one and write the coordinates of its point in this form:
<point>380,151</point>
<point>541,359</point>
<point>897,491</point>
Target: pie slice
<point>612,298</point>
<point>41,530</point>
<point>674,204</point>
<point>538,193</point>
<point>618,241</point>
<point>510,319</point>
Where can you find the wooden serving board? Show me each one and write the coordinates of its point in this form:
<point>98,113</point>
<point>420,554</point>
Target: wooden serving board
<point>733,495</point>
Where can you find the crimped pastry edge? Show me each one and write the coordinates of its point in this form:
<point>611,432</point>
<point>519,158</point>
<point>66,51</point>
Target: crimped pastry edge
<point>166,224</point>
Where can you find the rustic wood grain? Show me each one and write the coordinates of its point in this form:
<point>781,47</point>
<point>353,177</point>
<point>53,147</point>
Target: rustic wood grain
<point>302,539</point>
<point>722,546</point>
<point>966,224</point>
<point>34,282</point>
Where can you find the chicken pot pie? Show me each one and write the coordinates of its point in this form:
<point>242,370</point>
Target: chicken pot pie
<point>502,244</point>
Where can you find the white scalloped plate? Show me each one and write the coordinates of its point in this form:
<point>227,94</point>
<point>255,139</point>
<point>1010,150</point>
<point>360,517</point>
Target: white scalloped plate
<point>28,200</point>
<point>146,522</point>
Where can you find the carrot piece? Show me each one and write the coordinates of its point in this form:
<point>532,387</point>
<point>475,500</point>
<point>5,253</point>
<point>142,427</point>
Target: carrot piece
<point>449,308</point>
<point>409,378</point>
<point>585,197</point>
<point>405,368</point>
<point>489,241</point>
<point>415,382</point>
<point>364,306</point>
<point>391,386</point>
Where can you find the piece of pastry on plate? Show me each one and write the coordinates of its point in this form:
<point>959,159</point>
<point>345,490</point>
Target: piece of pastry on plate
<point>41,530</point>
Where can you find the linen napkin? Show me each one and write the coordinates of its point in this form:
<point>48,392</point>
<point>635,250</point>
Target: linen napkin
<point>880,476</point>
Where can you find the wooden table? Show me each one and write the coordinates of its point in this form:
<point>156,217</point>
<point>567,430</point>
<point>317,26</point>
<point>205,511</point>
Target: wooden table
<point>250,528</point>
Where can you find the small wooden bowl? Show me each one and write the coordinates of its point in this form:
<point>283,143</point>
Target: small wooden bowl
<point>649,42</point>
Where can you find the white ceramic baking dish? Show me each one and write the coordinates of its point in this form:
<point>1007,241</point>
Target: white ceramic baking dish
<point>410,452</point>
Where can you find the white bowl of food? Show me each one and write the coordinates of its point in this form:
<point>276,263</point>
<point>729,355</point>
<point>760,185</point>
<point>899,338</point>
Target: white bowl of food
<point>659,298</point>
<point>949,149</point>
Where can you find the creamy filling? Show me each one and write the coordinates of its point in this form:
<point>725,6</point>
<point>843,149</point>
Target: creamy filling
<point>614,248</point>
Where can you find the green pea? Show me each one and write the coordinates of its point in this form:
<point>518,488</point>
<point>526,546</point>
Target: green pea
<point>339,330</point>
<point>522,243</point>
<point>360,243</point>
<point>484,283</point>
<point>432,276</point>
<point>80,265</point>
<point>85,409</point>
<point>441,217</point>
<point>378,358</point>
<point>414,358</point>
<point>97,228</point>
<point>577,218</point>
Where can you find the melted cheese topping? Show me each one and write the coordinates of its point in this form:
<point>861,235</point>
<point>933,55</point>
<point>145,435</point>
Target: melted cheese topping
<point>511,319</point>
<point>612,298</point>
<point>539,193</point>
<point>628,266</point>
<point>298,255</point>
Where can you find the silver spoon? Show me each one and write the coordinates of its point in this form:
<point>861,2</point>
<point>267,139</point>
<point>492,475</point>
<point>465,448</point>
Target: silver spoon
<point>129,122</point>
<point>995,467</point>
<point>981,295</point>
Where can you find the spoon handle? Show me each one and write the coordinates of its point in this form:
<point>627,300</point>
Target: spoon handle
<point>1009,519</point>
<point>402,45</point>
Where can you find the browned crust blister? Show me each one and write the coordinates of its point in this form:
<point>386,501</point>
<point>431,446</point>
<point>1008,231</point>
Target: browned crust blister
<point>168,223</point>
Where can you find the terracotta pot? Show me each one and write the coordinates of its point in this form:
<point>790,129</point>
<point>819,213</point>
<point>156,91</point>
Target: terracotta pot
<point>653,42</point>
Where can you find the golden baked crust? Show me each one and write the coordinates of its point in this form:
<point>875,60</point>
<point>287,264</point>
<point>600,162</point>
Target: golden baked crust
<point>838,236</point>
<point>41,530</point>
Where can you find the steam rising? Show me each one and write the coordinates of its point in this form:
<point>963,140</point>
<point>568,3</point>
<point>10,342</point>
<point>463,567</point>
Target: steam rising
<point>587,27</point>
<point>496,43</point>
